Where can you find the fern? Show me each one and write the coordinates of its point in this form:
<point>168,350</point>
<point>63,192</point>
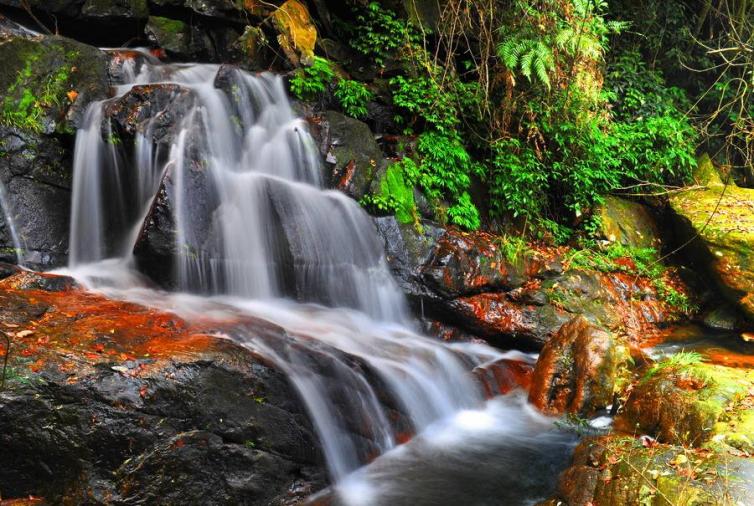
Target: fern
<point>532,57</point>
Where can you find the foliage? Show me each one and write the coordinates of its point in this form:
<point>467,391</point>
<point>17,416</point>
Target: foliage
<point>379,34</point>
<point>677,361</point>
<point>513,247</point>
<point>353,97</point>
<point>309,82</point>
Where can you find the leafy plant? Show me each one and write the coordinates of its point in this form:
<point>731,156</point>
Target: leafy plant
<point>379,34</point>
<point>309,82</point>
<point>677,361</point>
<point>353,97</point>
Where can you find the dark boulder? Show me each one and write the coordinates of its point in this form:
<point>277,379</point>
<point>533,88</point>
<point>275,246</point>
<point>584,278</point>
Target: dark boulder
<point>108,402</point>
<point>49,81</point>
<point>351,152</point>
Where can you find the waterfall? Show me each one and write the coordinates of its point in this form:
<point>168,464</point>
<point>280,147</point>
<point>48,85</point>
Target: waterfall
<point>255,232</point>
<point>10,223</point>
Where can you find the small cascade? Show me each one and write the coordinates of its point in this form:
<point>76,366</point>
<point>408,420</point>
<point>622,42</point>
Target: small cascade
<point>255,235</point>
<point>10,222</point>
<point>244,180</point>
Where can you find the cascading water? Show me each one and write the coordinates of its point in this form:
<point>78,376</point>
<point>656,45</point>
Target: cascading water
<point>254,228</point>
<point>10,223</point>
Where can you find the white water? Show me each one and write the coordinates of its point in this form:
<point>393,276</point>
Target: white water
<point>10,222</point>
<point>255,231</point>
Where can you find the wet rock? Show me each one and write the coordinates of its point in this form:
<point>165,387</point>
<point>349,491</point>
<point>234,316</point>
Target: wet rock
<point>351,152</point>
<point>465,280</point>
<point>467,263</point>
<point>504,375</point>
<point>214,8</point>
<point>628,223</point>
<point>151,109</point>
<point>692,404</point>
<point>619,471</point>
<point>132,9</point>
<point>720,221</point>
<point>49,82</point>
<point>113,403</point>
<point>579,370</point>
<point>505,322</point>
<point>408,250</point>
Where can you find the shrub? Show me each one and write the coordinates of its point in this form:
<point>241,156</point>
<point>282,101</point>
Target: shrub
<point>309,82</point>
<point>353,97</point>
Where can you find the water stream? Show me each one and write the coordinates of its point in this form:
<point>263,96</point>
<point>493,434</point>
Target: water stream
<point>10,223</point>
<point>257,234</point>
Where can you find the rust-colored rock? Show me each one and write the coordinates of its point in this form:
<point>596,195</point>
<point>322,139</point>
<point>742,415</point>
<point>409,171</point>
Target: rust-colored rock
<point>577,370</point>
<point>503,376</point>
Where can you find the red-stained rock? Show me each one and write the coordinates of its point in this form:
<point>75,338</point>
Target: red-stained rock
<point>577,370</point>
<point>95,383</point>
<point>503,376</point>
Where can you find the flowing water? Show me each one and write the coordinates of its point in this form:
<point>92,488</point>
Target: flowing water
<point>10,223</point>
<point>255,230</point>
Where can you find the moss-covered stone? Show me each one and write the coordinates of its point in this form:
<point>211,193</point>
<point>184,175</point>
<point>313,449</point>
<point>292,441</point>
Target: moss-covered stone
<point>621,471</point>
<point>628,223</point>
<point>48,82</point>
<point>171,34</point>
<point>721,220</point>
<point>692,404</point>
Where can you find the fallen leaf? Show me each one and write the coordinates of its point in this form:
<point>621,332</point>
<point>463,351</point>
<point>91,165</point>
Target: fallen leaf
<point>72,95</point>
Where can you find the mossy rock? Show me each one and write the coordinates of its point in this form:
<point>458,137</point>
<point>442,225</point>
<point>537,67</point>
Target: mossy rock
<point>178,38</point>
<point>48,82</point>
<point>720,220</point>
<point>628,223</point>
<point>619,470</point>
<point>693,404</point>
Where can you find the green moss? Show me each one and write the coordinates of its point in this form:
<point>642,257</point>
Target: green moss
<point>167,25</point>
<point>36,90</point>
<point>397,192</point>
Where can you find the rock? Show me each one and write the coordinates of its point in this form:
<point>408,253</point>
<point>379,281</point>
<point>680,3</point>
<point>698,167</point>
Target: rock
<point>504,375</point>
<point>579,370</point>
<point>465,280</point>
<point>723,318</point>
<point>212,8</point>
<point>504,322</point>
<point>719,221</point>
<point>351,151</point>
<point>49,81</point>
<point>467,263</point>
<point>109,402</point>
<point>177,38</point>
<point>298,35</point>
<point>692,404</point>
<point>131,9</point>
<point>153,109</point>
<point>407,251</point>
<point>628,223</point>
<point>619,470</point>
